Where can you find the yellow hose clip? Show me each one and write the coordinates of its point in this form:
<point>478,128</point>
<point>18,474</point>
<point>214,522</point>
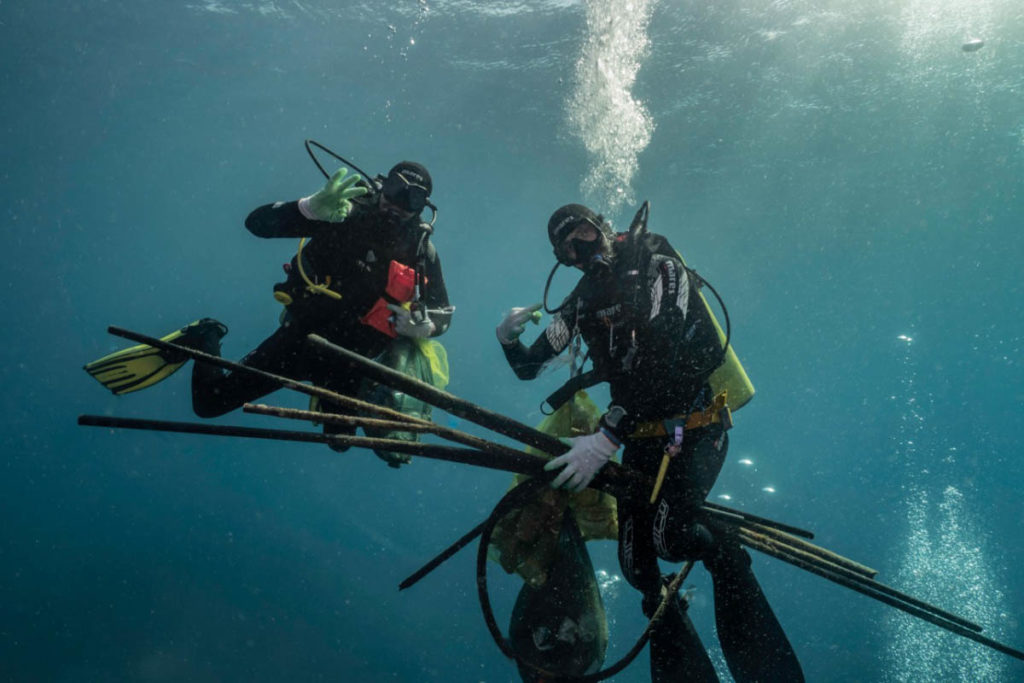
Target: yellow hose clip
<point>672,449</point>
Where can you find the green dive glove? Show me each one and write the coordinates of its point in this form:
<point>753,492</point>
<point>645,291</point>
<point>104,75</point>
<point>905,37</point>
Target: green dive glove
<point>333,202</point>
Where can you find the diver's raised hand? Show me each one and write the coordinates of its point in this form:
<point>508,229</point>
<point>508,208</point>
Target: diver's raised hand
<point>333,203</point>
<point>514,324</point>
<point>583,461</point>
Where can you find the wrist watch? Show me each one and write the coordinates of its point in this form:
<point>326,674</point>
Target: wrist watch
<point>618,422</point>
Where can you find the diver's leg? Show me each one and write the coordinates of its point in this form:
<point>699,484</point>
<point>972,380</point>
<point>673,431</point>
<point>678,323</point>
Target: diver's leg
<point>754,645</point>
<point>677,653</point>
<point>678,532</point>
<point>637,557</point>
<point>216,391</point>
<point>753,642</point>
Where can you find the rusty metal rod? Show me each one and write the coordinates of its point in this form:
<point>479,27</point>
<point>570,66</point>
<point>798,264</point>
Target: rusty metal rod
<point>882,593</point>
<point>814,549</point>
<point>468,456</point>
<point>339,419</point>
<point>422,426</point>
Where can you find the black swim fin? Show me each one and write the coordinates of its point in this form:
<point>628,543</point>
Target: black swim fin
<point>753,642</point>
<point>676,651</point>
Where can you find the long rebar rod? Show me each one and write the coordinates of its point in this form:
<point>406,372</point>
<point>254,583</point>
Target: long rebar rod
<point>759,541</point>
<point>812,548</point>
<point>423,427</point>
<point>613,478</point>
<point>392,378</point>
<point>338,419</point>
<point>612,475</point>
<point>443,556</point>
<point>752,539</point>
<point>467,456</point>
<point>739,522</point>
<point>442,399</point>
<point>746,516</point>
<point>340,399</point>
<point>893,602</point>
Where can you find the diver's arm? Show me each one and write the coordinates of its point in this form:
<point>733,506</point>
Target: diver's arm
<point>527,362</point>
<point>283,219</point>
<point>436,295</point>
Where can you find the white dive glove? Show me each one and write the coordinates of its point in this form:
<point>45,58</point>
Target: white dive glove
<point>583,461</point>
<point>515,321</point>
<point>333,202</point>
<point>405,326</point>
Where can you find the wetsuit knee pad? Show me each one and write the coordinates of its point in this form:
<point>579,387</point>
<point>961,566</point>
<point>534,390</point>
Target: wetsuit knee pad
<point>679,537</point>
<point>689,542</point>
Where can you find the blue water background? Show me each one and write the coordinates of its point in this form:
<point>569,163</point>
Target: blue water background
<point>843,174</point>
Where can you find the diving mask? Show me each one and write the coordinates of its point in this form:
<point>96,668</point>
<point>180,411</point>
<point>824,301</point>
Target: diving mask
<point>405,194</point>
<point>583,244</point>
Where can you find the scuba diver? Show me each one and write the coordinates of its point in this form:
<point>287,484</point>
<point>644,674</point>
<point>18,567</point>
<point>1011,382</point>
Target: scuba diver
<point>365,274</point>
<point>651,336</point>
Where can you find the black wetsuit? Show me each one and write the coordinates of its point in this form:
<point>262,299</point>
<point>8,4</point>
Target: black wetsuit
<point>356,255</point>
<point>655,343</point>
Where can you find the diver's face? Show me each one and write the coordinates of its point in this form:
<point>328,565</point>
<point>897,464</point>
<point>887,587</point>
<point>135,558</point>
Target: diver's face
<point>393,212</point>
<point>579,245</point>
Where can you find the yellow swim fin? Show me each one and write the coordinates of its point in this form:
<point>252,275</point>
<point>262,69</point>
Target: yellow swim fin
<point>143,366</point>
